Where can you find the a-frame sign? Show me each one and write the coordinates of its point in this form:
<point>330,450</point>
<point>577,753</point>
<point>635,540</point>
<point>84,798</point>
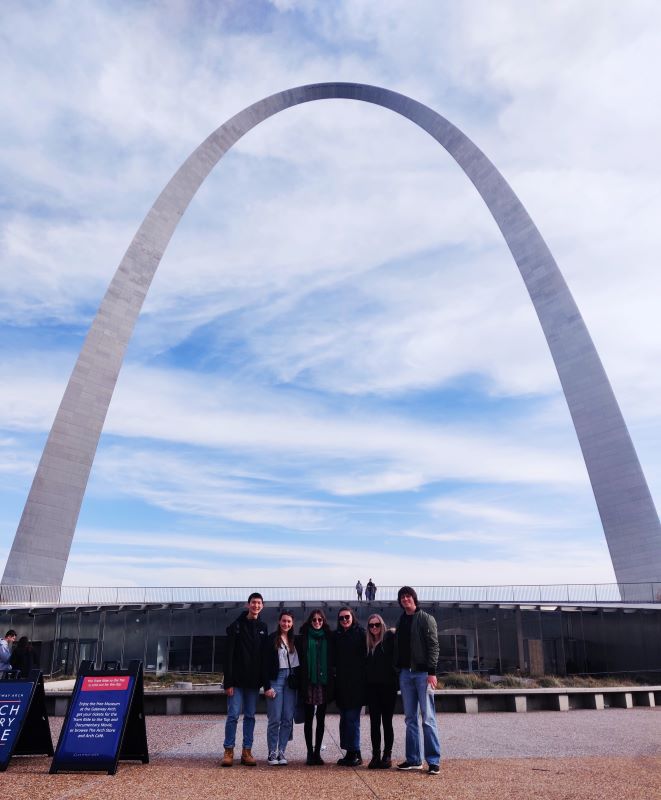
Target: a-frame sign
<point>105,721</point>
<point>24,728</point>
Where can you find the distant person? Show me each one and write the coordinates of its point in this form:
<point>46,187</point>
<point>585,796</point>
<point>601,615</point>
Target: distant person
<point>6,645</point>
<point>359,590</point>
<point>244,666</point>
<point>282,672</point>
<point>381,689</point>
<point>416,656</point>
<point>314,645</point>
<point>23,658</point>
<point>349,684</point>
<point>370,591</point>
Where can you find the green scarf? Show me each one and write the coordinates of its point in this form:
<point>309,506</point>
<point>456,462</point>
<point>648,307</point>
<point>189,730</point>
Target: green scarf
<point>317,667</point>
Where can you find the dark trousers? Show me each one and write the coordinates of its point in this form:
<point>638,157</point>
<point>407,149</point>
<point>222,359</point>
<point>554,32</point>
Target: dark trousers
<point>381,702</point>
<point>321,725</point>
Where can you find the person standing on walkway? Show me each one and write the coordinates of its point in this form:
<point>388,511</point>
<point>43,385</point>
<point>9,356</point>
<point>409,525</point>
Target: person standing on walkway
<point>381,689</point>
<point>280,688</point>
<point>244,666</point>
<point>359,590</point>
<point>416,656</point>
<point>370,591</point>
<point>314,645</point>
<point>349,684</point>
<point>23,656</point>
<point>6,645</point>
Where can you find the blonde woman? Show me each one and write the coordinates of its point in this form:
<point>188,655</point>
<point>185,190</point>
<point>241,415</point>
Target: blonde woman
<point>381,689</point>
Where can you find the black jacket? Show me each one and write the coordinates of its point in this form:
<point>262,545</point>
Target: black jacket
<point>424,642</point>
<point>245,654</point>
<point>302,650</point>
<point>350,649</point>
<point>23,658</point>
<point>379,664</point>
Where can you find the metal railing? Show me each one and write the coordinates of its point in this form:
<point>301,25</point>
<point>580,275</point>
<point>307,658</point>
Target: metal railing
<point>573,593</point>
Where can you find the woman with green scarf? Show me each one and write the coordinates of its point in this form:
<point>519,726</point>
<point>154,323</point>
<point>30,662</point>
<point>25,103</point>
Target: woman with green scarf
<point>315,649</point>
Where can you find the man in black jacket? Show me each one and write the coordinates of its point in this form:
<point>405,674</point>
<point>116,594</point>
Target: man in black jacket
<point>416,655</point>
<point>244,674</point>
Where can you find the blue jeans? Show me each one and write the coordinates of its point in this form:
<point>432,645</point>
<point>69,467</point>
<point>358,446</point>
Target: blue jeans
<point>415,694</point>
<point>280,713</point>
<point>242,700</point>
<point>350,729</point>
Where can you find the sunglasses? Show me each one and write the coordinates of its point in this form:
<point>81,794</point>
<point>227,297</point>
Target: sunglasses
<point>344,617</point>
<point>317,619</point>
<point>373,624</point>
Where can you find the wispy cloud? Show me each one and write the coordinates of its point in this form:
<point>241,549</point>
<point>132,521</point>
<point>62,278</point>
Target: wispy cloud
<point>337,342</point>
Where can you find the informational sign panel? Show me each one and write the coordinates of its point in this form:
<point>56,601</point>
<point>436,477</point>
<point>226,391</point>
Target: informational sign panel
<point>24,728</point>
<point>104,722</point>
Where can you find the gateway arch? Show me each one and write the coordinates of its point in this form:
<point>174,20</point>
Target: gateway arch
<point>631,524</point>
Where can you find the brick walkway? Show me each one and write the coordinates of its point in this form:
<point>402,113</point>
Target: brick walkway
<point>551,756</point>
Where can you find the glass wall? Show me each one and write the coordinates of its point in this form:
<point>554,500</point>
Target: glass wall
<point>479,638</point>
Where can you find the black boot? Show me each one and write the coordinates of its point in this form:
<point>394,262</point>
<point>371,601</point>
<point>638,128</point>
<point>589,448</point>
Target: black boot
<point>375,763</point>
<point>344,761</point>
<point>386,760</point>
<point>308,742</point>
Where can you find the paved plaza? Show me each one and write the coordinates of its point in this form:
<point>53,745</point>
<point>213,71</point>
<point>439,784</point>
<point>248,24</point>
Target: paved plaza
<point>550,755</point>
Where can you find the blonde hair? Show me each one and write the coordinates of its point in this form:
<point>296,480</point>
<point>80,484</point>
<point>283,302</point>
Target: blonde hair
<point>374,642</point>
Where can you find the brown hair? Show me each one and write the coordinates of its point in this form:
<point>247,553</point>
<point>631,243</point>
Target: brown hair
<point>290,633</point>
<point>307,625</point>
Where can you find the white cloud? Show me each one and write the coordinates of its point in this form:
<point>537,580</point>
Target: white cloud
<point>275,563</point>
<point>337,269</point>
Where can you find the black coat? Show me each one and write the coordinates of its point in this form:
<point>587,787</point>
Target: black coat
<point>23,658</point>
<point>350,649</point>
<point>380,666</point>
<point>302,650</point>
<point>245,654</point>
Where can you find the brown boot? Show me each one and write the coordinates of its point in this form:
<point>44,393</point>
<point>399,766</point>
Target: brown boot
<point>228,757</point>
<point>247,758</point>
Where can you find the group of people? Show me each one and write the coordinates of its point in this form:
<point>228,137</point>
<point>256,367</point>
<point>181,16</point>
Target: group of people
<point>302,673</point>
<point>16,655</point>
<point>370,590</point>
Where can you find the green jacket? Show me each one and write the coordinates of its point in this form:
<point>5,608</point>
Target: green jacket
<point>424,642</point>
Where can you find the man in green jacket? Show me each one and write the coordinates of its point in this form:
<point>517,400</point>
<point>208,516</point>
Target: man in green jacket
<point>416,655</point>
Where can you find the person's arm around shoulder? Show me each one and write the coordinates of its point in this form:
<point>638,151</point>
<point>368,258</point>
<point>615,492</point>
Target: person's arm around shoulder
<point>431,635</point>
<point>269,655</point>
<point>228,666</point>
<point>389,644</point>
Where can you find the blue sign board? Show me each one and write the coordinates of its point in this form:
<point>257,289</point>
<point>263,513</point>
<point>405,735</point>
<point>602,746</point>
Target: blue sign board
<point>24,728</point>
<point>14,703</point>
<point>104,720</point>
<point>95,722</point>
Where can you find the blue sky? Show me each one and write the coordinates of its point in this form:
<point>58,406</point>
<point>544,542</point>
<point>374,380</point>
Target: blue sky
<point>337,372</point>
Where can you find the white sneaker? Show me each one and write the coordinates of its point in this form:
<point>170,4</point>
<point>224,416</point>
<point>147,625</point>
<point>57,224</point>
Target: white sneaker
<point>273,760</point>
<point>282,760</point>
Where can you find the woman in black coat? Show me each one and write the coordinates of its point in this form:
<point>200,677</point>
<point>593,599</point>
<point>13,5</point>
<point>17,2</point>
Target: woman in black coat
<point>23,657</point>
<point>315,649</point>
<point>381,689</point>
<point>349,684</point>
